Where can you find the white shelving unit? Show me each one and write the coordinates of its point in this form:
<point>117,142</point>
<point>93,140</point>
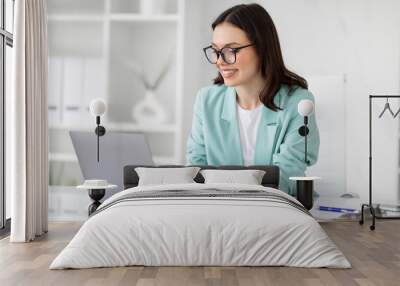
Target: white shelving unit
<point>93,45</point>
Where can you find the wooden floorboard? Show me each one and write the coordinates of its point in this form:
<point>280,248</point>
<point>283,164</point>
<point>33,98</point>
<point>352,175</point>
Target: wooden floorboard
<point>374,255</point>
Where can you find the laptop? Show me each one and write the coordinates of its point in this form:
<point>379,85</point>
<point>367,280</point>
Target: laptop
<point>117,149</point>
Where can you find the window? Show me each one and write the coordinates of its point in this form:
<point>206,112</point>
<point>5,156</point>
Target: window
<point>6,43</point>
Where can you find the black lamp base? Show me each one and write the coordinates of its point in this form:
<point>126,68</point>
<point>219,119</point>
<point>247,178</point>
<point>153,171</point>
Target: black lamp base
<point>96,195</point>
<point>305,190</point>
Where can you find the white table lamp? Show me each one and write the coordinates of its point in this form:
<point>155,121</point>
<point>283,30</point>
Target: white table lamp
<point>305,109</point>
<point>97,108</point>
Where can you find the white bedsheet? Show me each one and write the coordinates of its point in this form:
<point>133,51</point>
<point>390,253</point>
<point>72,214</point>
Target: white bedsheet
<point>193,231</point>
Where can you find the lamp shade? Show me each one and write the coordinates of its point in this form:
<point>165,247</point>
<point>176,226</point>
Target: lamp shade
<point>305,107</point>
<point>97,107</point>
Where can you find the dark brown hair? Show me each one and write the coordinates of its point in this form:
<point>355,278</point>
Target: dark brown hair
<point>255,21</point>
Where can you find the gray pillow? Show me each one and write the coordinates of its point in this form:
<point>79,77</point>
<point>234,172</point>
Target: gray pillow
<point>163,176</point>
<point>249,177</point>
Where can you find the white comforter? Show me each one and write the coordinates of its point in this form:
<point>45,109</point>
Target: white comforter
<point>200,231</point>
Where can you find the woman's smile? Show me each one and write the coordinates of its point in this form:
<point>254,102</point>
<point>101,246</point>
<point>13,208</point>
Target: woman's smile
<point>227,73</point>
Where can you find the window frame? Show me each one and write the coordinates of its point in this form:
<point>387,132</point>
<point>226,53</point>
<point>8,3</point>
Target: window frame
<point>6,39</point>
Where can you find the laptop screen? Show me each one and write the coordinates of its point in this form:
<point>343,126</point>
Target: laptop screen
<point>116,150</point>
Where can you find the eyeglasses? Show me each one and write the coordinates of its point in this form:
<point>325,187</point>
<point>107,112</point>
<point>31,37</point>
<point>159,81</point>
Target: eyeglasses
<point>228,54</point>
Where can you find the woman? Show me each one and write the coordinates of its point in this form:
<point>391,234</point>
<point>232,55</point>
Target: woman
<point>249,116</point>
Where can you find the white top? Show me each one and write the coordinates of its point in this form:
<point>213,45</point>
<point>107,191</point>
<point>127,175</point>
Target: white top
<point>248,124</point>
<point>87,187</point>
<point>94,184</point>
<point>304,178</point>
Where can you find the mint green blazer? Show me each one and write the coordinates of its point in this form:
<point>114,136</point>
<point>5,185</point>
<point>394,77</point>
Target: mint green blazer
<point>215,138</point>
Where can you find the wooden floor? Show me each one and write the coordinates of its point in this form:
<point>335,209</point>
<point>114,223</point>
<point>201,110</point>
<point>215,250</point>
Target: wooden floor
<point>375,256</point>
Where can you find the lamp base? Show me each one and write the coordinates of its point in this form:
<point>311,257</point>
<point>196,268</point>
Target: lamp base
<point>305,193</point>
<point>96,195</point>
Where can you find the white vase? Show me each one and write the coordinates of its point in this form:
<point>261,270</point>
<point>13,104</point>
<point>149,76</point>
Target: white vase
<point>149,110</point>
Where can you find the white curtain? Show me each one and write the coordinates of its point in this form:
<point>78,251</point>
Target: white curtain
<point>27,123</point>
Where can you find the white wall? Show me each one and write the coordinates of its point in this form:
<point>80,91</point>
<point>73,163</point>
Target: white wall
<point>358,39</point>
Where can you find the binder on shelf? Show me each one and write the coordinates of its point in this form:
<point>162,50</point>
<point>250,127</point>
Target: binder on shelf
<point>55,90</point>
<point>72,90</point>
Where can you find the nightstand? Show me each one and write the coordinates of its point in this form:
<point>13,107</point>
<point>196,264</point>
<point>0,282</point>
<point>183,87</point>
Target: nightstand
<point>304,190</point>
<point>96,193</point>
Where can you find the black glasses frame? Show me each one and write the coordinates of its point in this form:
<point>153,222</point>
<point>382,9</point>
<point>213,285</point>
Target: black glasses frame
<point>220,53</point>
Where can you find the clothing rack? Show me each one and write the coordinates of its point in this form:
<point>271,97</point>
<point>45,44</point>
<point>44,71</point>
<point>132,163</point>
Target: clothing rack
<point>369,205</point>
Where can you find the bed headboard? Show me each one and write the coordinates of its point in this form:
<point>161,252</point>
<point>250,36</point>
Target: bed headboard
<point>270,179</point>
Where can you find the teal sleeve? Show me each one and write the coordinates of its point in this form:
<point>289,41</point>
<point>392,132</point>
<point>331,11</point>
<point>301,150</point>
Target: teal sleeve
<point>290,157</point>
<point>195,149</point>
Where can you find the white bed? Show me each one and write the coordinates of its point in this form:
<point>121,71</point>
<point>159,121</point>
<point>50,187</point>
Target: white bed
<point>206,230</point>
